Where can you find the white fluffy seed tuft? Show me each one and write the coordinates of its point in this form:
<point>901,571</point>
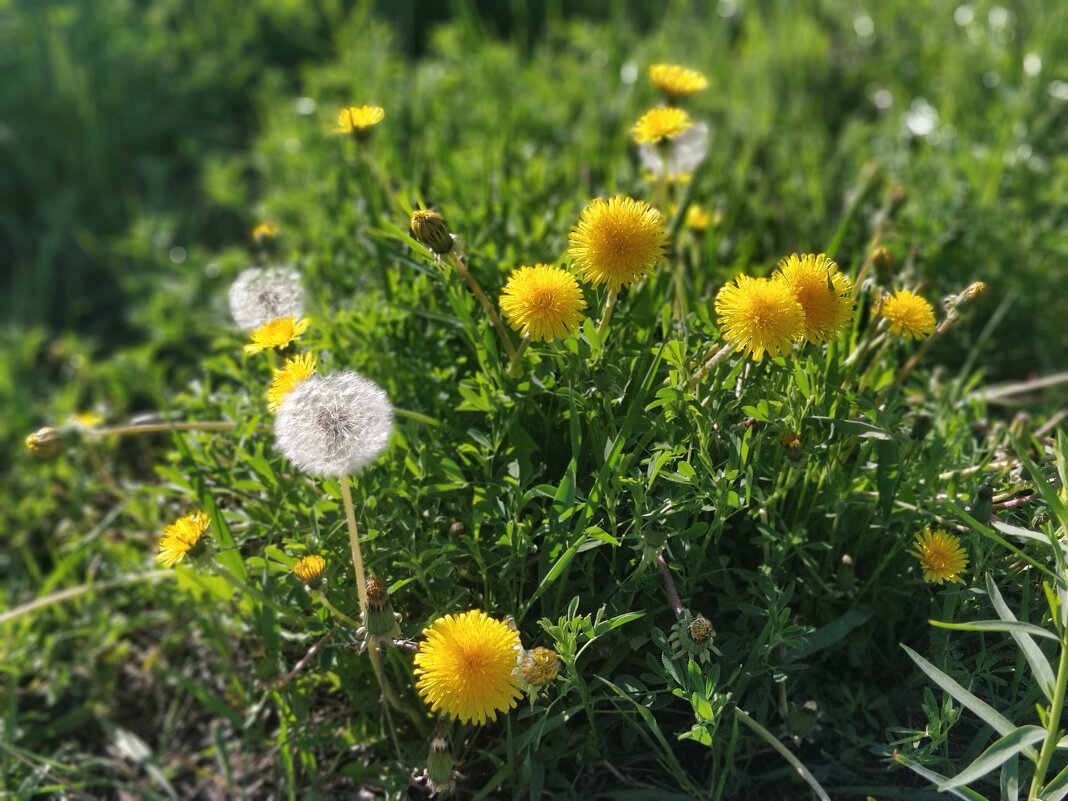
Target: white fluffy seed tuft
<point>685,152</point>
<point>262,294</point>
<point>335,424</point>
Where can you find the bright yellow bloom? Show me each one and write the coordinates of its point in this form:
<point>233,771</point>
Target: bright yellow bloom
<point>265,230</point>
<point>466,666</point>
<point>909,314</point>
<point>543,302</point>
<point>276,334</point>
<point>357,119</point>
<point>676,81</point>
<point>698,217</point>
<point>758,315</point>
<point>663,122</point>
<point>180,537</point>
<point>310,568</point>
<point>941,556</point>
<point>87,420</point>
<point>824,293</point>
<point>295,370</point>
<point>616,241</point>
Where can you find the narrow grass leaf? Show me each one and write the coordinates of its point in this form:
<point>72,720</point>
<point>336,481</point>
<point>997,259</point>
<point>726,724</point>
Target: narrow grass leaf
<point>1040,666</point>
<point>937,778</point>
<point>996,625</point>
<point>998,753</point>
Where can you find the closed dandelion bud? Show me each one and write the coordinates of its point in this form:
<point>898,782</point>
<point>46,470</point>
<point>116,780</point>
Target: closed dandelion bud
<point>262,294</point>
<point>921,427</point>
<point>691,637</point>
<point>44,443</point>
<point>429,228</point>
<point>440,765</point>
<point>884,262</point>
<point>456,528</point>
<point>975,290</point>
<point>310,570</point>
<point>380,619</point>
<point>700,628</point>
<point>539,667</point>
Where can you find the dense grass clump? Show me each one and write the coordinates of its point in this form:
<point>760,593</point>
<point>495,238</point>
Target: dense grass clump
<point>545,469</point>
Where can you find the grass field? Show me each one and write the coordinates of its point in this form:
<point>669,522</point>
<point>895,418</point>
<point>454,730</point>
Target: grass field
<point>608,493</point>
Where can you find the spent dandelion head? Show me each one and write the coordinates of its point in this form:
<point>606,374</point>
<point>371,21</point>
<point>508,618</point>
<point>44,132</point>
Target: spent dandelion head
<point>679,156</point>
<point>909,314</point>
<point>262,294</point>
<point>295,370</point>
<point>181,537</point>
<point>359,120</point>
<point>759,316</point>
<point>616,241</point>
<point>657,124</point>
<point>276,334</point>
<point>824,293</point>
<point>466,666</point>
<point>941,556</point>
<point>676,81</point>
<point>542,302</point>
<point>334,425</point>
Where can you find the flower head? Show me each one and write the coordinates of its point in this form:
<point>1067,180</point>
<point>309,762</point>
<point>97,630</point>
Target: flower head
<point>542,302</point>
<point>264,231</point>
<point>359,119</point>
<point>429,228</point>
<point>616,241</point>
<point>909,314</point>
<point>180,537</point>
<point>334,425</point>
<point>757,315</point>
<point>941,556</point>
<point>310,568</point>
<point>276,334</point>
<point>681,156</point>
<point>295,370</point>
<point>539,667</point>
<point>262,294</point>
<point>823,292</point>
<point>663,122</point>
<point>44,443</point>
<point>86,420</point>
<point>676,81</point>
<point>697,217</point>
<point>466,666</point>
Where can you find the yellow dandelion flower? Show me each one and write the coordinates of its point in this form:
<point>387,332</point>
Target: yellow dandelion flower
<point>466,666</point>
<point>86,420</point>
<point>698,217</point>
<point>616,241</point>
<point>265,230</point>
<point>180,537</point>
<point>310,568</point>
<point>358,119</point>
<point>757,315</point>
<point>663,122</point>
<point>676,81</point>
<point>824,293</point>
<point>295,370</point>
<point>276,334</point>
<point>941,556</point>
<point>909,314</point>
<point>542,302</point>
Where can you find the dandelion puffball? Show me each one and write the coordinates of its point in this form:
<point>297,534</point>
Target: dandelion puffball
<point>334,425</point>
<point>682,155</point>
<point>262,294</point>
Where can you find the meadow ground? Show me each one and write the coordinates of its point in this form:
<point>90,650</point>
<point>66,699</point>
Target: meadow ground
<point>717,487</point>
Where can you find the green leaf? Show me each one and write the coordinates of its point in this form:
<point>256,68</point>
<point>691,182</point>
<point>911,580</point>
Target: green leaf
<point>1040,666</point>
<point>1000,751</point>
<point>828,635</point>
<point>937,778</point>
<point>996,625</point>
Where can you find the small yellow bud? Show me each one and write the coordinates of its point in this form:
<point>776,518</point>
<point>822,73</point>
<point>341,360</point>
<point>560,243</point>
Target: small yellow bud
<point>884,262</point>
<point>700,628</point>
<point>264,231</point>
<point>429,228</point>
<point>44,443</point>
<point>310,568</point>
<point>539,667</point>
<point>974,291</point>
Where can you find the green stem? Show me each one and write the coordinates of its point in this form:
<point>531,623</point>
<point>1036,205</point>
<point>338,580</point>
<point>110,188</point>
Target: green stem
<point>354,544</point>
<point>1053,723</point>
<point>320,596</point>
<point>152,428</point>
<point>515,367</point>
<point>609,307</point>
<point>476,290</point>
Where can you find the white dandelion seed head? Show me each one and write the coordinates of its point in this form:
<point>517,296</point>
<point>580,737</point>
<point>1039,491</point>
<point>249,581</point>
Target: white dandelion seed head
<point>685,152</point>
<point>334,424</point>
<point>262,294</point>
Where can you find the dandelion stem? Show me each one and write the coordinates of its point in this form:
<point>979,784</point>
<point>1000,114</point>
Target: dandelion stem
<point>1049,745</point>
<point>320,596</point>
<point>609,307</point>
<point>515,367</point>
<point>151,428</point>
<point>907,368</point>
<point>714,357</point>
<point>476,290</point>
<point>354,543</point>
<point>669,585</point>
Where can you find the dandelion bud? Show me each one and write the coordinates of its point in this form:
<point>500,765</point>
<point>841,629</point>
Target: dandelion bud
<point>700,628</point>
<point>44,443</point>
<point>334,425</point>
<point>264,231</point>
<point>884,263</point>
<point>429,228</point>
<point>310,569</point>
<point>439,765</point>
<point>975,290</point>
<point>380,619</point>
<point>262,294</point>
<point>691,637</point>
<point>539,667</point>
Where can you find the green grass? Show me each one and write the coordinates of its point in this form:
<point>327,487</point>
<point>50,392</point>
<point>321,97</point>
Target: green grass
<point>547,497</point>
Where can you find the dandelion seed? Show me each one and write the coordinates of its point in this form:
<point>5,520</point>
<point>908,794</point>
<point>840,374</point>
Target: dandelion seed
<point>823,292</point>
<point>543,302</point>
<point>466,666</point>
<point>757,315</point>
<point>334,425</point>
<point>941,556</point>
<point>359,119</point>
<point>616,241</point>
<point>310,568</point>
<point>663,122</point>
<point>181,537</point>
<point>680,155</point>
<point>277,334</point>
<point>676,81</point>
<point>909,314</point>
<point>295,370</point>
<point>260,295</point>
